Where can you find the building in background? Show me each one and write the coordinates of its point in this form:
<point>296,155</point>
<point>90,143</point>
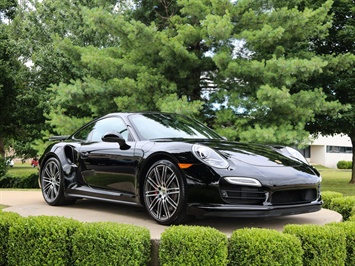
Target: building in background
<point>329,150</point>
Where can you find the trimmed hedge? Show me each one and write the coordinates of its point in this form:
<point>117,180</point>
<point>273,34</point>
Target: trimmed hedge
<point>254,246</point>
<point>41,240</point>
<point>322,245</point>
<point>193,245</point>
<point>109,243</point>
<point>349,230</point>
<point>352,215</point>
<point>49,240</point>
<point>345,165</point>
<point>8,181</point>
<point>343,205</point>
<point>7,220</point>
<point>327,197</point>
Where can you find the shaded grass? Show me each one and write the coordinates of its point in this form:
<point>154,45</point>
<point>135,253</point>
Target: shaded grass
<point>336,180</point>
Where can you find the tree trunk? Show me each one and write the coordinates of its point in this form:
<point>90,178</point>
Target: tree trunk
<point>352,137</point>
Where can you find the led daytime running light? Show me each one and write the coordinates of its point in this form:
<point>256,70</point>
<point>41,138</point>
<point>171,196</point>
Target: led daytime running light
<point>246,181</point>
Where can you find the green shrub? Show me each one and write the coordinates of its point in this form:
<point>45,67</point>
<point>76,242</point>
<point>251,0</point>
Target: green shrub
<point>9,181</point>
<point>255,246</point>
<point>349,229</point>
<point>352,215</point>
<point>7,219</point>
<point>42,240</point>
<point>193,245</point>
<point>327,197</point>
<point>108,243</point>
<point>2,166</point>
<point>322,245</point>
<point>343,206</point>
<point>345,165</point>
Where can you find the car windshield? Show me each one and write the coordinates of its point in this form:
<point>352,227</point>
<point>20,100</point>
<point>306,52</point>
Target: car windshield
<point>162,126</point>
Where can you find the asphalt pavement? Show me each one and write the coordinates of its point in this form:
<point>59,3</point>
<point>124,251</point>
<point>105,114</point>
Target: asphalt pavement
<point>31,203</point>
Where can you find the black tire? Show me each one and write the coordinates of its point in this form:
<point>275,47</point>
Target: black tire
<point>164,193</point>
<point>52,184</point>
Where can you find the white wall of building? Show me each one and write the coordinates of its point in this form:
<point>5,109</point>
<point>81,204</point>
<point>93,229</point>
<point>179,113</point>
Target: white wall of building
<point>317,154</point>
<point>336,140</point>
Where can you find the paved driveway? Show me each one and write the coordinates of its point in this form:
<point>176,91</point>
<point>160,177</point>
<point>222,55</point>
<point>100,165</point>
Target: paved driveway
<point>31,203</point>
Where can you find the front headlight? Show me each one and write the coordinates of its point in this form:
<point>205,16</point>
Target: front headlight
<point>209,156</point>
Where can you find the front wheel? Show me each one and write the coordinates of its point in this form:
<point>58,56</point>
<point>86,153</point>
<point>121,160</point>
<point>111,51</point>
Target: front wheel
<point>164,193</point>
<point>52,183</point>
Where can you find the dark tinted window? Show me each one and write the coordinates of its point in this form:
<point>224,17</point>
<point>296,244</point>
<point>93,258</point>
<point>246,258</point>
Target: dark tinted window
<point>339,149</point>
<point>158,126</point>
<point>94,131</point>
<point>306,152</point>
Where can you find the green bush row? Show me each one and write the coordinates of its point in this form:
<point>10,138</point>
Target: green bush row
<point>47,240</point>
<point>8,181</point>
<point>345,165</point>
<point>337,202</point>
<point>50,240</point>
<point>322,245</point>
<point>193,245</point>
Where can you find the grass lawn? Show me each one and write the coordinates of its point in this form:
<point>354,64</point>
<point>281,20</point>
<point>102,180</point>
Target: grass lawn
<point>336,180</point>
<point>21,169</point>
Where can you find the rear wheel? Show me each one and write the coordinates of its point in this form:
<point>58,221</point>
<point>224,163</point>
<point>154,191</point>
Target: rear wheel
<point>164,193</point>
<point>52,184</point>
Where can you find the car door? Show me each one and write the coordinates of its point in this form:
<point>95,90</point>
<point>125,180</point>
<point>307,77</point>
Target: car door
<point>104,166</point>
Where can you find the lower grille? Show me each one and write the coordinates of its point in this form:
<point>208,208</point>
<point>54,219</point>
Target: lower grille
<point>244,195</point>
<point>293,196</point>
<point>251,195</point>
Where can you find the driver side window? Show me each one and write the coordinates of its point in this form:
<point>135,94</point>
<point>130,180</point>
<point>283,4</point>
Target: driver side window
<point>95,131</point>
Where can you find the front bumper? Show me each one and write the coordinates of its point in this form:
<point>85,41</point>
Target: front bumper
<point>248,211</point>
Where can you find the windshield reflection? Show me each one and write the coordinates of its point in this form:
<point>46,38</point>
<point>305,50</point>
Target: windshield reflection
<point>162,126</point>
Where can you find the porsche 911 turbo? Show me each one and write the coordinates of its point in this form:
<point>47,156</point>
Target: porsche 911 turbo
<point>176,167</point>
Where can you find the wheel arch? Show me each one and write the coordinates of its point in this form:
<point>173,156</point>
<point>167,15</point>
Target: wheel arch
<point>64,154</point>
<point>44,160</point>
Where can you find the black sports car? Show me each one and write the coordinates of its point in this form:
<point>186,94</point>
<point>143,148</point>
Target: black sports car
<point>176,167</point>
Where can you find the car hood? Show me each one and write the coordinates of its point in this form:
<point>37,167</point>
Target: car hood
<point>266,163</point>
<point>252,154</point>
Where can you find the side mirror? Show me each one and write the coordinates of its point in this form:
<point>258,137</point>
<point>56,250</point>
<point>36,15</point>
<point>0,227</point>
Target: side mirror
<point>116,137</point>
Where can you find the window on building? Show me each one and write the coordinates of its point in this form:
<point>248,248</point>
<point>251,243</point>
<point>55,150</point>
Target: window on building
<point>306,152</point>
<point>339,149</point>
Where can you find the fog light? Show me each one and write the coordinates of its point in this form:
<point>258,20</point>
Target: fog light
<point>224,194</point>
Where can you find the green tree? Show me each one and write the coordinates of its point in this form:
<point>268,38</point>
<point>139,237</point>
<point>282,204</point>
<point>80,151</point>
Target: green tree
<point>36,30</point>
<point>238,65</point>
<point>338,78</point>
<point>265,71</point>
<point>247,57</point>
<point>11,86</point>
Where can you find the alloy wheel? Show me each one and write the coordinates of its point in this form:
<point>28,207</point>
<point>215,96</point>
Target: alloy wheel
<point>162,192</point>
